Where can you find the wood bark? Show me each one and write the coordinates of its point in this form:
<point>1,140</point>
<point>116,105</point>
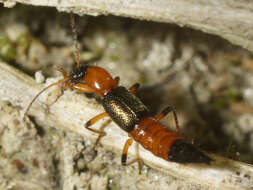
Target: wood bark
<point>72,110</point>
<point>229,19</point>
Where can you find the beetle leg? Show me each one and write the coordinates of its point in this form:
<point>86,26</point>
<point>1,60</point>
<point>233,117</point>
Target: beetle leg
<point>117,80</point>
<point>134,88</point>
<point>124,155</point>
<point>94,120</point>
<point>82,88</point>
<point>165,112</point>
<point>58,96</point>
<point>125,150</point>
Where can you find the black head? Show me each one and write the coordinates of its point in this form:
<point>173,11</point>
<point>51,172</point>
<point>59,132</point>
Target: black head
<point>78,74</point>
<point>183,152</point>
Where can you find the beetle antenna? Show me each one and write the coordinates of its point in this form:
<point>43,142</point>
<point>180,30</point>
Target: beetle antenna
<point>74,33</point>
<point>51,85</point>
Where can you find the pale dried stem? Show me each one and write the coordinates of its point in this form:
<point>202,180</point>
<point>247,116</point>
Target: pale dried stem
<point>72,110</point>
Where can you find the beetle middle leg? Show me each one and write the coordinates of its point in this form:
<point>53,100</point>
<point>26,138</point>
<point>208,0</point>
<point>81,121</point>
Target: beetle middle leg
<point>165,112</point>
<point>94,120</point>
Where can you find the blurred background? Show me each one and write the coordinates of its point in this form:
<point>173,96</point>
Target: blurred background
<point>206,79</point>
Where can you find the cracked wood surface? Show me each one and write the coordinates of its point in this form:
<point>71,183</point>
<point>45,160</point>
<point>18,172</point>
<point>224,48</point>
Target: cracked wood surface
<point>229,19</point>
<point>71,111</point>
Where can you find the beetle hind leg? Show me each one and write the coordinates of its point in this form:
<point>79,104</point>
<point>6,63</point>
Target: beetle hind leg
<point>134,88</point>
<point>166,111</point>
<point>128,143</point>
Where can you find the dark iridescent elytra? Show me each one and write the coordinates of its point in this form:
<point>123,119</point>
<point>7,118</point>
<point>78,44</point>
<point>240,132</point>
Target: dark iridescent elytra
<point>124,108</point>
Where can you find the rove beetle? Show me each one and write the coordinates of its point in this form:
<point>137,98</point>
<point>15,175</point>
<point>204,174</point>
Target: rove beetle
<point>129,113</point>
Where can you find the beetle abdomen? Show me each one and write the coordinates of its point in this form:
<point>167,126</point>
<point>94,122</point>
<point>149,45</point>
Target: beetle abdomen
<point>166,144</point>
<point>154,137</point>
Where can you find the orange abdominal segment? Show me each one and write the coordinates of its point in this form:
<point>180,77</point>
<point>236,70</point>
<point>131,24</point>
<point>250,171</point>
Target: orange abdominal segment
<point>154,137</point>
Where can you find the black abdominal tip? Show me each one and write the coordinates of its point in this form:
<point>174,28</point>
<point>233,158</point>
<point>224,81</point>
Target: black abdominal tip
<point>183,152</point>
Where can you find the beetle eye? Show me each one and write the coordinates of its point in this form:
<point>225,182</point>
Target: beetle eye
<point>79,73</point>
<point>75,76</point>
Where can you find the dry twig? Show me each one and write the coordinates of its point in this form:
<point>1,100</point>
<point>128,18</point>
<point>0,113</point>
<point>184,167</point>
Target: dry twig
<point>72,110</point>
